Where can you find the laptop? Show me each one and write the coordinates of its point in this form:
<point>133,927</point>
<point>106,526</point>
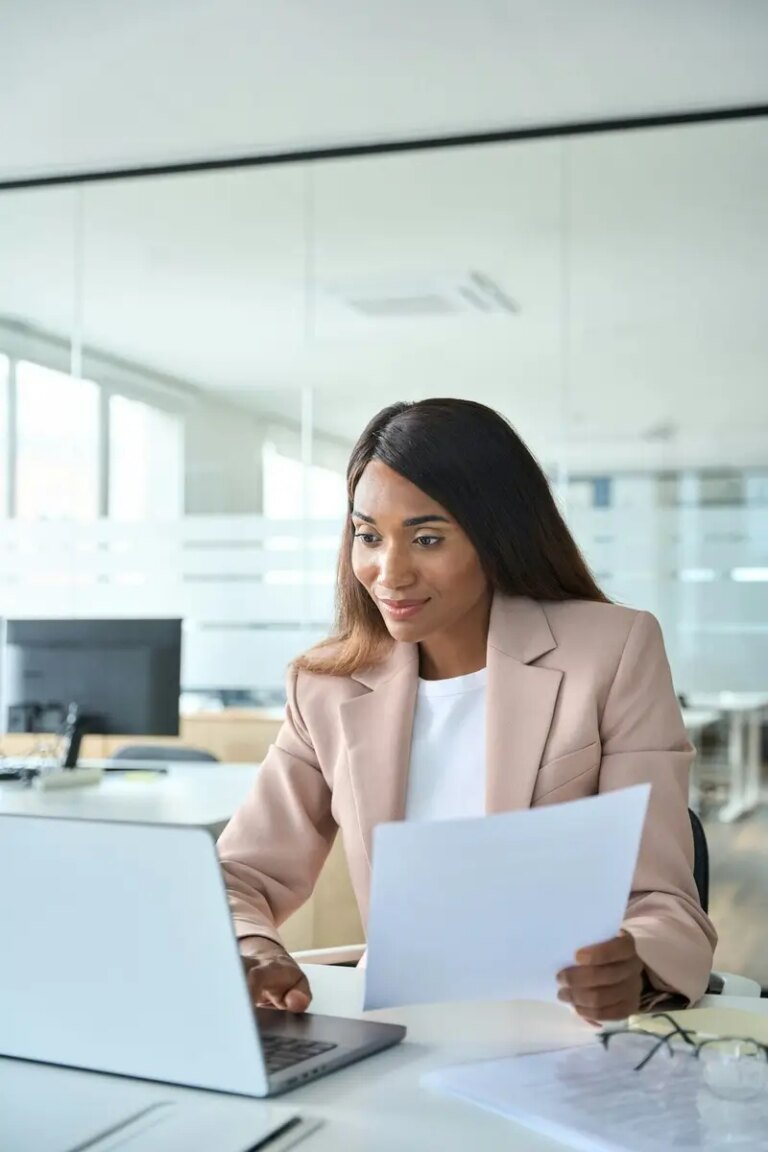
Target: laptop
<point>118,955</point>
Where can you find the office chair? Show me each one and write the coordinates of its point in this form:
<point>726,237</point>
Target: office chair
<point>720,983</point>
<point>168,752</point>
<point>700,859</point>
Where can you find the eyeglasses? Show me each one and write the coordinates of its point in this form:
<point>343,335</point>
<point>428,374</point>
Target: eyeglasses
<point>733,1067</point>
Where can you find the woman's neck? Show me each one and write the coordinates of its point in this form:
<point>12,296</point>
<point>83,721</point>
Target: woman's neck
<point>459,651</point>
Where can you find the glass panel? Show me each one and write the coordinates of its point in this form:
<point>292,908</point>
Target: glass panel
<point>437,274</point>
<point>145,461</point>
<point>39,275</point>
<point>194,322</point>
<point>667,263</point>
<point>284,478</point>
<point>4,431</point>
<point>667,273</point>
<point>57,452</point>
<point>195,304</point>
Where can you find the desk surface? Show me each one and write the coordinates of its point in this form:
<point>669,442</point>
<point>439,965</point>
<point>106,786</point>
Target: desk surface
<point>379,1104</point>
<point>730,701</point>
<point>204,795</point>
<point>696,718</point>
<point>382,1102</point>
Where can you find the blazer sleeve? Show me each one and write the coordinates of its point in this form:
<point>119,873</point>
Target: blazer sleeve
<point>272,850</point>
<point>644,740</point>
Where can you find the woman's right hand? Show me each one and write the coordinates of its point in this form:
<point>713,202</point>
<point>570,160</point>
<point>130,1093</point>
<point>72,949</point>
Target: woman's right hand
<point>274,978</point>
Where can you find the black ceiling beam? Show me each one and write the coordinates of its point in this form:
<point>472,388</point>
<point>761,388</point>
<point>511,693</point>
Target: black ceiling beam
<point>390,147</point>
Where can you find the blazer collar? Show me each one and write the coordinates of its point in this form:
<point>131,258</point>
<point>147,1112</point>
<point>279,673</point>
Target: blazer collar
<point>518,627</point>
<point>520,705</point>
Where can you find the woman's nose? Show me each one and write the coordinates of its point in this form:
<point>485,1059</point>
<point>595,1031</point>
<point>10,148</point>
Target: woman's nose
<point>396,570</point>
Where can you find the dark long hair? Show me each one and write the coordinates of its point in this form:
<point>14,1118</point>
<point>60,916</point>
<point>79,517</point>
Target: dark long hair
<point>471,461</point>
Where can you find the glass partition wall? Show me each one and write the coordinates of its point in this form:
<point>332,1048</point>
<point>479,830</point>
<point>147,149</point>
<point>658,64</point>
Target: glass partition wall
<point>194,355</point>
<point>186,361</point>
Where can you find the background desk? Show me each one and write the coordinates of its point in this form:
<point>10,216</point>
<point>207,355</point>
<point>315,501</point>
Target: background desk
<point>745,711</point>
<point>205,795</point>
<point>239,735</point>
<point>202,795</point>
<point>379,1105</point>
<point>696,720</point>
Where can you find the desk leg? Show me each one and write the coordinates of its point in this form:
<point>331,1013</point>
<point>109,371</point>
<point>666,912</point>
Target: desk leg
<point>739,800</point>
<point>754,759</point>
<point>694,784</point>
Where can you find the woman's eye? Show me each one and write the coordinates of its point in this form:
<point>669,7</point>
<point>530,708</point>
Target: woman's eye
<point>366,537</point>
<point>428,541</point>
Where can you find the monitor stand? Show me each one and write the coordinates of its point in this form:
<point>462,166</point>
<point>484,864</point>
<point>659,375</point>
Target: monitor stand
<point>75,727</point>
<point>66,774</point>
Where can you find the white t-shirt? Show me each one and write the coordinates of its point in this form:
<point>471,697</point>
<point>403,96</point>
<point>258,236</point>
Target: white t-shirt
<point>447,768</point>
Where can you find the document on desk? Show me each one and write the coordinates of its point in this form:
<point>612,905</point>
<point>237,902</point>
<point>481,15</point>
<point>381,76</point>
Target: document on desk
<point>492,908</point>
<point>596,1101</point>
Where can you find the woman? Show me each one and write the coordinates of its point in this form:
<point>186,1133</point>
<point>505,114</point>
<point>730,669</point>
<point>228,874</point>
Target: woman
<point>476,668</point>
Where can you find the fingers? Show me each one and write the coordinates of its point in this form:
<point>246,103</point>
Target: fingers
<point>598,997</point>
<point>599,976</point>
<point>619,1010</point>
<point>297,1000</point>
<point>278,983</point>
<point>595,1002</point>
<point>622,947</point>
<point>294,1000</point>
<point>607,981</point>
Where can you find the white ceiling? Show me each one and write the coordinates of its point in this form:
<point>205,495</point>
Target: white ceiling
<point>92,83</point>
<point>639,260</point>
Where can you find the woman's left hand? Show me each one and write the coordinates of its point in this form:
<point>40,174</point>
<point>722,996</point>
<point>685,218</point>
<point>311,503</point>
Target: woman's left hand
<point>607,981</point>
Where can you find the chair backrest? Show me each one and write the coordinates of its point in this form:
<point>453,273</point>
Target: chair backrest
<point>700,860</point>
<point>163,752</point>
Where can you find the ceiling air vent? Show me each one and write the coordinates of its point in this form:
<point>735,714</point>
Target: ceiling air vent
<point>471,293</point>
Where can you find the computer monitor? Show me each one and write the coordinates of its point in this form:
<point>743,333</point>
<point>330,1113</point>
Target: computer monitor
<point>123,675</point>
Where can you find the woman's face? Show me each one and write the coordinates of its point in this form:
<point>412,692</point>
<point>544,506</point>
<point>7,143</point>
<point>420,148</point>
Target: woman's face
<point>412,557</point>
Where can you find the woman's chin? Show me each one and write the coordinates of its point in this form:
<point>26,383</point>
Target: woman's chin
<point>411,631</point>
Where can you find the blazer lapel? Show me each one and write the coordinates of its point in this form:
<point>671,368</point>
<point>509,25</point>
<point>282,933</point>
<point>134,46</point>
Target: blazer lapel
<point>520,705</point>
<point>377,729</point>
<point>521,701</point>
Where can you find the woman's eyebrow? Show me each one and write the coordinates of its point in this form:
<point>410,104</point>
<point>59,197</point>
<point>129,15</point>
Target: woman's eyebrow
<point>411,522</point>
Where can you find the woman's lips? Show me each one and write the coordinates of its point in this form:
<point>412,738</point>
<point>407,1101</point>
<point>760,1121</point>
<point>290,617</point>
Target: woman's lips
<point>402,609</point>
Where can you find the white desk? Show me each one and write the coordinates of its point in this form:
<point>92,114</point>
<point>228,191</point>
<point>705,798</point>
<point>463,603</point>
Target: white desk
<point>383,1103</point>
<point>201,794</point>
<point>697,719</point>
<point>745,712</point>
<point>379,1105</point>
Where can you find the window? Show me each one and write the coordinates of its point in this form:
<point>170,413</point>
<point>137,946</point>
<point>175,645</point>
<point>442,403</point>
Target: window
<point>57,445</point>
<point>283,500</point>
<point>145,461</point>
<point>283,489</point>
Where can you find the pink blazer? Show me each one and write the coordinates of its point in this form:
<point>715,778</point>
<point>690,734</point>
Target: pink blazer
<point>579,701</point>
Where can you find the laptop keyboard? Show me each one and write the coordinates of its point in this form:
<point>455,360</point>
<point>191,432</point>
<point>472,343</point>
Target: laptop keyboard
<point>281,1052</point>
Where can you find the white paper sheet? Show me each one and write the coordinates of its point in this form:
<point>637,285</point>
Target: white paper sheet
<point>493,908</point>
<point>595,1101</point>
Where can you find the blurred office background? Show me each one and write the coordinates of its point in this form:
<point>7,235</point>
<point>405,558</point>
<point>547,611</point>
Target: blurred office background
<point>186,358</point>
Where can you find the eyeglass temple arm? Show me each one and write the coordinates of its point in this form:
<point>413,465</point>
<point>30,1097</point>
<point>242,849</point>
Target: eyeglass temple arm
<point>652,1052</point>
